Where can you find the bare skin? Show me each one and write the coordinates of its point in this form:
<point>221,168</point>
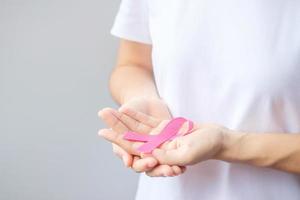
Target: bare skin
<point>211,141</point>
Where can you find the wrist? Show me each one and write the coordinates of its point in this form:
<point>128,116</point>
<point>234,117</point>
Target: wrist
<point>231,145</point>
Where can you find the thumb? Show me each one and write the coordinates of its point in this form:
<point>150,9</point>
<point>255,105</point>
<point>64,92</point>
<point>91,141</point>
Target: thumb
<point>169,157</point>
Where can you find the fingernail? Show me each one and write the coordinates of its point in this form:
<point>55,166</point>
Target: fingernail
<point>100,113</point>
<point>101,133</point>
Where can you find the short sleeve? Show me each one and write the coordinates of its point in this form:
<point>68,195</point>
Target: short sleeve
<point>132,21</point>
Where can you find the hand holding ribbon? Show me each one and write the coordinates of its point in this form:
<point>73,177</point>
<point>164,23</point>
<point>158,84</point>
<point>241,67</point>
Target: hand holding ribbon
<point>202,142</point>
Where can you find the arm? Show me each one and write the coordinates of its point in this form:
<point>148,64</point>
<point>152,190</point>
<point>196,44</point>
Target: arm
<point>211,141</point>
<point>274,150</point>
<point>132,85</point>
<point>133,75</point>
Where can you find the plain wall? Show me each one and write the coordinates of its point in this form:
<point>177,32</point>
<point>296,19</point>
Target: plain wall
<point>55,61</point>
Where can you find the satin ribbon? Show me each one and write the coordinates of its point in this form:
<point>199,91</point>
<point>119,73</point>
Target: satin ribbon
<point>169,132</point>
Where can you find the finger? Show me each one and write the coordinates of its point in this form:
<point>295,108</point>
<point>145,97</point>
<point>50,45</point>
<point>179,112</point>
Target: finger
<point>140,116</point>
<point>132,123</point>
<point>178,169</point>
<point>144,164</point>
<point>171,157</point>
<point>111,120</point>
<point>161,171</point>
<point>117,138</point>
<point>116,151</point>
<point>121,153</point>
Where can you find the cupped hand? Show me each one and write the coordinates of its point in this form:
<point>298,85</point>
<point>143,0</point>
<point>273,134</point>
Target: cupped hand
<point>130,116</point>
<point>204,142</point>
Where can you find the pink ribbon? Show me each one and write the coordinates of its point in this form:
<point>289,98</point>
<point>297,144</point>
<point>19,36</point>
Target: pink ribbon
<point>169,132</point>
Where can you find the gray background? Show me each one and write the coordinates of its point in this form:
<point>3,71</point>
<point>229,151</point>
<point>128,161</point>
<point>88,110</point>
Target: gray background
<point>55,60</point>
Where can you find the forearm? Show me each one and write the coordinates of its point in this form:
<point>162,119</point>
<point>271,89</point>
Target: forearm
<point>279,151</point>
<point>127,82</point>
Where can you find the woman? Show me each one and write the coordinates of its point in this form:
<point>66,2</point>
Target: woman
<point>232,67</point>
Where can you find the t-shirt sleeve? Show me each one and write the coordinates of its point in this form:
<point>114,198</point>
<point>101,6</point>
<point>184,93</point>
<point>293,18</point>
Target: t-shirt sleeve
<point>132,21</point>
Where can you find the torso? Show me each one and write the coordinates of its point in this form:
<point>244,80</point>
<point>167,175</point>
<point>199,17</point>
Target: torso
<point>236,63</point>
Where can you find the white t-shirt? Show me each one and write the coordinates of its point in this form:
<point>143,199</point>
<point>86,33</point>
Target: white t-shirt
<point>233,62</point>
